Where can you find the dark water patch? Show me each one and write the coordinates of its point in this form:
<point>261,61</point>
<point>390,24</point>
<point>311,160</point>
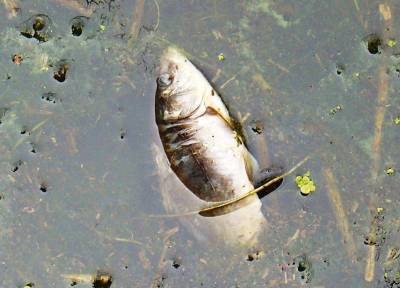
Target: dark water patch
<point>374,44</point>
<point>176,262</point>
<point>122,134</point>
<point>61,69</point>
<point>50,97</point>
<point>16,165</point>
<point>78,25</point>
<point>340,69</point>
<point>43,187</point>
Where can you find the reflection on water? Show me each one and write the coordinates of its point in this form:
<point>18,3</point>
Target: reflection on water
<point>78,178</point>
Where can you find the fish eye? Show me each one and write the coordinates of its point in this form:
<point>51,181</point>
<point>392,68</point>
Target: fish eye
<point>164,80</point>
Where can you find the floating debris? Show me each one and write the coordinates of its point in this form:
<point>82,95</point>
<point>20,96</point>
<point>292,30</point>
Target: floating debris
<point>38,26</point>
<point>61,73</point>
<point>391,43</point>
<point>100,280</point>
<point>305,183</point>
<point>336,109</point>
<point>17,59</point>
<point>221,57</point>
<point>390,171</point>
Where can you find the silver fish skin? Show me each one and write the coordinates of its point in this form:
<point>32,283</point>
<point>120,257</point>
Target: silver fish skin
<point>197,133</point>
<point>204,159</point>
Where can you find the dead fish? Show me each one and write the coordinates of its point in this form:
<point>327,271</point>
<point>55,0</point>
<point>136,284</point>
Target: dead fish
<point>203,149</point>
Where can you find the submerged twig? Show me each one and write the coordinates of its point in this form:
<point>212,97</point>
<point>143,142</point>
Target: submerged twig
<point>383,89</point>
<point>369,271</point>
<point>11,7</point>
<point>137,16</point>
<point>341,218</point>
<point>379,118</point>
<point>75,5</point>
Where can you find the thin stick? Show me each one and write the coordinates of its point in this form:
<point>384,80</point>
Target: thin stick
<point>342,222</point>
<point>11,7</point>
<point>137,16</point>
<point>221,204</point>
<point>75,5</point>
<point>255,191</point>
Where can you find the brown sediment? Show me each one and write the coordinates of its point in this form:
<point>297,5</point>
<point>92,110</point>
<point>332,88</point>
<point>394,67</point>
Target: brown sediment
<point>342,222</point>
<point>137,16</point>
<point>383,89</point>
<point>75,5</point>
<point>11,7</point>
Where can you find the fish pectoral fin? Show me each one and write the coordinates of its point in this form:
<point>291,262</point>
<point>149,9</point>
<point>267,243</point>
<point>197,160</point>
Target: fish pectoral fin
<point>264,175</point>
<point>214,101</point>
<point>251,164</point>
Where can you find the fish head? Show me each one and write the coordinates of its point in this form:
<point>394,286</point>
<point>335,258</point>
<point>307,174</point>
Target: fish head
<point>180,86</point>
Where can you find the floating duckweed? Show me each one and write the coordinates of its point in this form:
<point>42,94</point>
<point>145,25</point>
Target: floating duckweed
<point>397,120</point>
<point>305,183</point>
<point>38,26</point>
<point>38,23</point>
<point>336,109</point>
<point>390,171</point>
<point>391,43</point>
<point>221,57</point>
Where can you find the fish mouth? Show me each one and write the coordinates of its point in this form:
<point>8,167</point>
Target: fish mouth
<point>170,61</point>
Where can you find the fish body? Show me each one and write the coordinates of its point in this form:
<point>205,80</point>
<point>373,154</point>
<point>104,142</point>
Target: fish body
<point>197,133</point>
<point>203,149</point>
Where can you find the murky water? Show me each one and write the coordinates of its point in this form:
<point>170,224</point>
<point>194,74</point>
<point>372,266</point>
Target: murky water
<point>78,178</point>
